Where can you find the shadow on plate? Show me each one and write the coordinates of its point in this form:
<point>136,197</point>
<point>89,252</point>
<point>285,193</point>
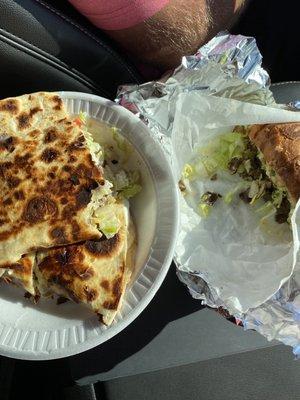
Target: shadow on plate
<point>66,310</point>
<point>171,302</point>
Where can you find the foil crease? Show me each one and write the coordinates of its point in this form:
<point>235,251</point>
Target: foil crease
<point>219,68</point>
<point>228,66</point>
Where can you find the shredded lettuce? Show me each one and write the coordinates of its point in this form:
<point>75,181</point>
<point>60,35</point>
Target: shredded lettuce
<point>105,189</point>
<point>220,151</point>
<point>118,180</point>
<point>216,155</point>
<point>122,144</point>
<point>107,221</point>
<point>188,171</point>
<point>277,197</point>
<point>204,210</point>
<point>126,184</point>
<point>130,191</point>
<point>266,208</point>
<point>96,150</point>
<point>234,153</point>
<point>229,196</point>
<point>82,116</point>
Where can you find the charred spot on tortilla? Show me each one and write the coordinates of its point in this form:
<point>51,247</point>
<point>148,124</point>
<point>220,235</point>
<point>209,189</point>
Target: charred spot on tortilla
<point>112,304</point>
<point>77,144</point>
<point>8,144</point>
<point>75,230</point>
<point>85,273</point>
<point>13,182</point>
<point>34,133</point>
<point>4,167</point>
<point>74,179</point>
<point>105,285</point>
<point>58,103</point>
<point>49,155</point>
<point>84,172</point>
<point>102,246</point>
<point>116,287</point>
<point>83,197</point>
<point>51,175</point>
<point>22,161</point>
<point>8,201</point>
<point>67,168</point>
<point>90,294</point>
<point>24,118</point>
<point>59,235</point>
<point>50,135</point>
<point>69,211</point>
<point>10,106</point>
<point>63,201</point>
<point>38,209</point>
<point>72,159</point>
<point>19,195</point>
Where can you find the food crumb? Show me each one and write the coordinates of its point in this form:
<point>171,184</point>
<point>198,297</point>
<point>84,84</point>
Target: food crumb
<point>182,186</point>
<point>61,300</point>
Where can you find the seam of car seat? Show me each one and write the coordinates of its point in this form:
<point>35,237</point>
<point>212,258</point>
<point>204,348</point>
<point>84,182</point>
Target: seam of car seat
<point>284,83</point>
<point>89,34</point>
<point>47,58</point>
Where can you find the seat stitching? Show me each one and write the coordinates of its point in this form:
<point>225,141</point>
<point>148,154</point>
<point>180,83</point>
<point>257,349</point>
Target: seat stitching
<point>90,35</point>
<point>52,58</point>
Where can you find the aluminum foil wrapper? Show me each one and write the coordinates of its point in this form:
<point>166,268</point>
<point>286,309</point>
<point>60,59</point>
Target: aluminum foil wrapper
<point>225,260</point>
<point>219,68</point>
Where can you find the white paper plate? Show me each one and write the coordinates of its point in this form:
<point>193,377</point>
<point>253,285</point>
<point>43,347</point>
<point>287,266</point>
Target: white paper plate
<point>47,331</point>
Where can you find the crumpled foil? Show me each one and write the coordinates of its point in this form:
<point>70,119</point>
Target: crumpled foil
<point>219,68</point>
<point>228,67</point>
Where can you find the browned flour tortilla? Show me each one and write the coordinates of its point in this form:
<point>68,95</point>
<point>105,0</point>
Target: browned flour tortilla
<point>22,274</point>
<point>280,146</point>
<point>47,177</point>
<point>94,273</point>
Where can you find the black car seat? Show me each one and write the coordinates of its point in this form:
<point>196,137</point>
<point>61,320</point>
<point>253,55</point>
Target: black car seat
<point>48,45</point>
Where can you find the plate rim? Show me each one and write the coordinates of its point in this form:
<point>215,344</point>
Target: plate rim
<point>145,300</point>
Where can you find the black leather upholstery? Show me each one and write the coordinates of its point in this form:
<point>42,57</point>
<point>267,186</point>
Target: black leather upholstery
<point>43,48</point>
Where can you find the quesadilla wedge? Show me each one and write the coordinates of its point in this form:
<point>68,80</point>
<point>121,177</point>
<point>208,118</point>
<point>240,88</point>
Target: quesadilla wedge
<point>50,184</point>
<point>22,274</point>
<point>94,273</point>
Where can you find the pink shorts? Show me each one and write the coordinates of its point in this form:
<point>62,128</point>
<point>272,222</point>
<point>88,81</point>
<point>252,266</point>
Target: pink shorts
<point>118,14</point>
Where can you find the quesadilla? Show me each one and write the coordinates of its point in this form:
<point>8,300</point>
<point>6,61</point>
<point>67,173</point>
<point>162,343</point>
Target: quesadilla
<point>22,274</point>
<point>49,181</point>
<point>94,273</point>
<point>65,227</point>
